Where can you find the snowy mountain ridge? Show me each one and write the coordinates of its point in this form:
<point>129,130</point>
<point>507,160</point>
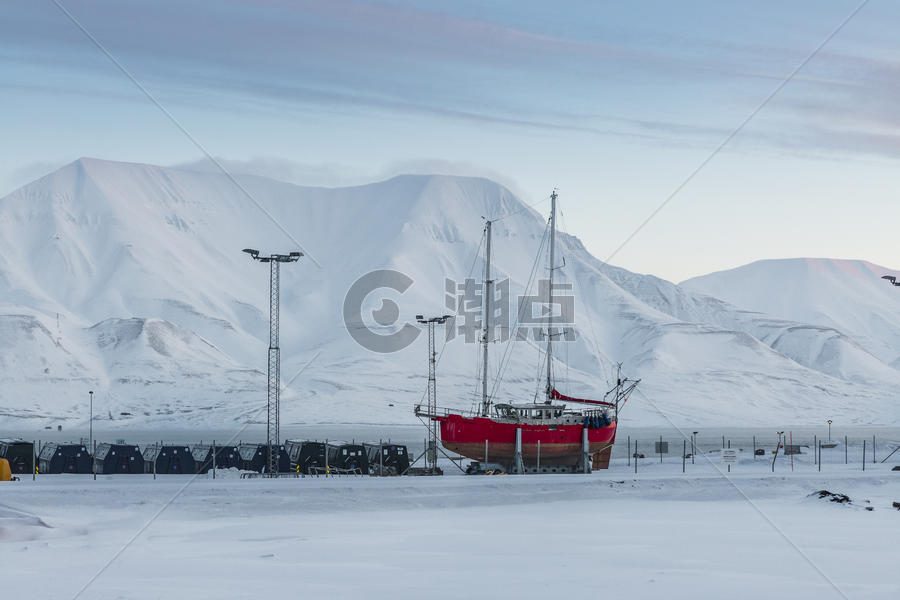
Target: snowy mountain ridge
<point>128,279</point>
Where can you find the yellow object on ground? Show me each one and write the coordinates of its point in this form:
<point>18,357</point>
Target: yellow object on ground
<point>5,472</point>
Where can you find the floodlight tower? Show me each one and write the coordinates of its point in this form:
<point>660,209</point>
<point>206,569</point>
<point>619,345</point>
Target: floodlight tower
<point>273,418</point>
<point>431,453</point>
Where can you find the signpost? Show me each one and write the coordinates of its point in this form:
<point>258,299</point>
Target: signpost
<point>729,456</point>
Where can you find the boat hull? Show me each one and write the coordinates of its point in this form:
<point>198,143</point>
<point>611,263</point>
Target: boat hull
<point>559,445</point>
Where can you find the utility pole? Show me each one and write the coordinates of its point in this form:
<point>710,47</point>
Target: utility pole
<point>431,451</point>
<point>273,385</point>
<point>91,422</point>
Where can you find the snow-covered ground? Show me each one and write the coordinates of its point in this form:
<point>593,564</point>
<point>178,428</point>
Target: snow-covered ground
<point>656,534</point>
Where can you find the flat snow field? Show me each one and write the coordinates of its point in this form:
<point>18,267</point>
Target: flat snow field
<point>657,534</point>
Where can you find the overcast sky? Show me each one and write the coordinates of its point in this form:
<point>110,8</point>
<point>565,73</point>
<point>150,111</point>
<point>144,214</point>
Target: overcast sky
<point>614,103</point>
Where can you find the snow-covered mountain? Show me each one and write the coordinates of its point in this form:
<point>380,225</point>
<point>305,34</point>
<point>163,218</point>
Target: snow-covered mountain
<point>847,295</point>
<point>129,280</point>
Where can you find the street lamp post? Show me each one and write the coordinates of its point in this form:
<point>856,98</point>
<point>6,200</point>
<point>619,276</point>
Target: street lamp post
<point>431,454</point>
<point>91,423</point>
<point>273,418</point>
<point>829,430</point>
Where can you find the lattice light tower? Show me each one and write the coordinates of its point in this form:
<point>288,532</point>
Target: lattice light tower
<point>273,385</point>
<point>431,452</point>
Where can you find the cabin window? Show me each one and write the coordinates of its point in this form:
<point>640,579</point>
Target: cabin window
<point>345,452</point>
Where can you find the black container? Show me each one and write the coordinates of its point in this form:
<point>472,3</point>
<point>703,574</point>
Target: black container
<point>306,456</point>
<point>118,459</point>
<point>348,457</point>
<point>387,459</point>
<point>169,459</point>
<point>64,458</point>
<point>227,457</point>
<point>255,456</point>
<point>20,455</point>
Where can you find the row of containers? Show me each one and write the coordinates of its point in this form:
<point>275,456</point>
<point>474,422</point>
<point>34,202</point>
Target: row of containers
<point>306,457</point>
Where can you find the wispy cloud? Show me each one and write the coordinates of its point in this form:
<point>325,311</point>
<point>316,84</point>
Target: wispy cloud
<point>393,58</point>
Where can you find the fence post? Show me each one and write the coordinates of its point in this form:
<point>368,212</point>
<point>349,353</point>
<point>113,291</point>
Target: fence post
<point>635,457</point>
<point>754,447</point>
<point>94,464</point>
<point>873,449</point>
<point>154,460</point>
<point>660,449</point>
<point>214,459</point>
<point>777,445</point>
<point>815,445</point>
<point>846,455</point>
<point>864,455</point>
<point>683,454</point>
<point>34,466</point>
<point>539,456</point>
<point>820,456</point>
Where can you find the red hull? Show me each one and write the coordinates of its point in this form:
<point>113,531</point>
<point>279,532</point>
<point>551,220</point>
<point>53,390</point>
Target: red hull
<point>559,444</point>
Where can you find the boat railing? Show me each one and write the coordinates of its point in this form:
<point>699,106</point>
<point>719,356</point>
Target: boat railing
<point>439,411</point>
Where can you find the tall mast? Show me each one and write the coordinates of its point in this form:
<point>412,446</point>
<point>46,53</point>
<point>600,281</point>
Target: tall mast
<point>486,318</point>
<point>550,292</point>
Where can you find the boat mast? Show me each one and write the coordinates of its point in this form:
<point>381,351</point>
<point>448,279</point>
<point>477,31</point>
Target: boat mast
<point>550,292</point>
<point>486,318</point>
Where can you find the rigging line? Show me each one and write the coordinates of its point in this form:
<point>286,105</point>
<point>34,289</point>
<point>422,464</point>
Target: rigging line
<point>727,477</point>
<point>502,366</point>
<point>741,126</point>
<point>539,375</point>
<point>523,209</point>
<point>562,222</point>
<point>507,354</point>
<point>506,357</point>
<point>181,128</point>
<point>590,319</point>
<point>444,345</point>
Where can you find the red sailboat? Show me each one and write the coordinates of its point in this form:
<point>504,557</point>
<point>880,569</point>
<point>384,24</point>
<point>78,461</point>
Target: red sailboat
<point>538,436</point>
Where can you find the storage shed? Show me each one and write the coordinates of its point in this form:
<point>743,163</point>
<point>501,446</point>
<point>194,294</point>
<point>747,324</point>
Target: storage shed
<point>255,456</point>
<point>20,455</point>
<point>387,459</point>
<point>118,458</point>
<point>306,455</point>
<point>64,458</point>
<point>169,459</point>
<point>227,457</point>
<point>348,457</point>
